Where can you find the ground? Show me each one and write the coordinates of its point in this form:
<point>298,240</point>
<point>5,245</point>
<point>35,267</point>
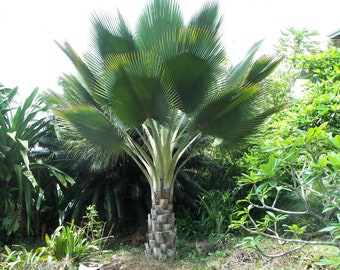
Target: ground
<point>197,256</point>
<point>221,253</point>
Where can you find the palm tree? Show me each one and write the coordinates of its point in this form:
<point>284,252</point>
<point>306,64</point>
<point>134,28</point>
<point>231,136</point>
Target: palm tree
<point>153,94</point>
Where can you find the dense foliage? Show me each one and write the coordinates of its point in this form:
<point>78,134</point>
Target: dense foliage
<point>294,173</point>
<point>22,127</point>
<point>323,98</point>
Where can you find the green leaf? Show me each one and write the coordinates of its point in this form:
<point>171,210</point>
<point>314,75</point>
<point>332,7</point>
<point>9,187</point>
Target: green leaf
<point>336,141</point>
<point>25,157</point>
<point>29,175</point>
<point>251,241</point>
<point>41,198</point>
<point>157,19</point>
<point>97,129</point>
<point>29,101</point>
<point>262,67</point>
<point>238,73</point>
<point>27,183</point>
<point>330,261</point>
<point>322,161</point>
<point>63,179</point>
<point>328,229</point>
<point>269,169</point>
<point>334,160</point>
<point>271,214</point>
<point>112,36</point>
<point>310,135</point>
<point>19,173</point>
<point>135,88</point>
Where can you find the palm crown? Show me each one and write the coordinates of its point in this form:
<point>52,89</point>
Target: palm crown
<point>167,83</point>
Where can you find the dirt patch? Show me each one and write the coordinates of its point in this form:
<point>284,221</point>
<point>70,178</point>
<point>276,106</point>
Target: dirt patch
<point>137,260</point>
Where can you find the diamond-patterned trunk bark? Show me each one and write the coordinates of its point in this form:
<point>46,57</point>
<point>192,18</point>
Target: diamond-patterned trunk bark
<point>162,233</point>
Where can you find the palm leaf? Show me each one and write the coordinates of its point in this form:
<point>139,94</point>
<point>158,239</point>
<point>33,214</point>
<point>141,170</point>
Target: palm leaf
<point>207,17</point>
<point>159,17</point>
<point>248,127</point>
<point>193,58</point>
<point>88,80</point>
<point>262,67</point>
<point>238,107</point>
<point>218,116</point>
<point>74,92</point>
<point>136,88</point>
<point>111,36</point>
<point>238,73</point>
<point>79,64</point>
<point>234,116</point>
<point>93,126</point>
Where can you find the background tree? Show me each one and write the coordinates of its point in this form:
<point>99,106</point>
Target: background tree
<point>167,83</point>
<point>292,45</point>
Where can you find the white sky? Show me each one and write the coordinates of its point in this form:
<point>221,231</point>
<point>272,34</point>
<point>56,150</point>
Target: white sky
<point>29,57</point>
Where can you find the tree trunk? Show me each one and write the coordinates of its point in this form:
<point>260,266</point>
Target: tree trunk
<point>162,233</point>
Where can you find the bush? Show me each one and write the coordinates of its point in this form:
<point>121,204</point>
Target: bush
<point>296,193</point>
<point>211,220</point>
<point>322,103</point>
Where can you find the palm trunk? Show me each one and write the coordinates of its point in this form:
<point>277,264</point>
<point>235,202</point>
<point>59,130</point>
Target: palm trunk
<point>162,233</point>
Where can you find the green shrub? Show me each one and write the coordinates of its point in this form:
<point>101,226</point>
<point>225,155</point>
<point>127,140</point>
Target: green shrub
<point>68,244</point>
<point>22,128</point>
<point>322,103</point>
<point>19,256</point>
<point>211,220</point>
